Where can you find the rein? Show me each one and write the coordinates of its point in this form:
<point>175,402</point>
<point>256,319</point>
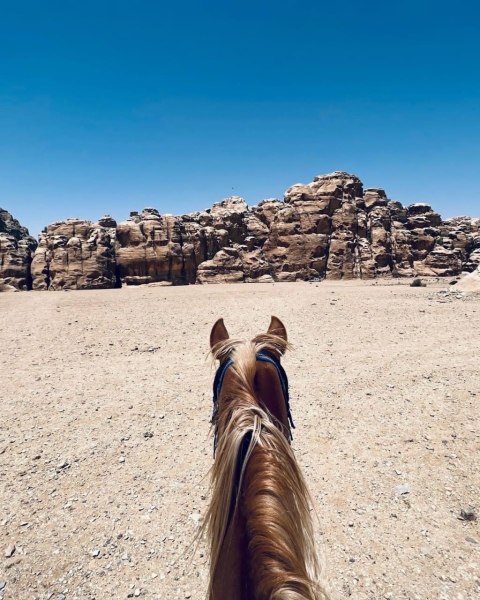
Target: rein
<point>262,356</point>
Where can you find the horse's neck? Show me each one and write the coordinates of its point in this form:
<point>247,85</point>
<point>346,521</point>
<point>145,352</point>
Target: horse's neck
<point>231,575</point>
<point>239,576</point>
<point>269,549</point>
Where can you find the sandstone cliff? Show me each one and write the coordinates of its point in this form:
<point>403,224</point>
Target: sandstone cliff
<point>76,254</point>
<point>330,228</point>
<point>16,250</point>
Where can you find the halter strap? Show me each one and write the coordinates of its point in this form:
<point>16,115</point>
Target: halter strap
<point>262,356</point>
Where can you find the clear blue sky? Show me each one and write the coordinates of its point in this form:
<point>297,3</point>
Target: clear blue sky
<point>110,106</point>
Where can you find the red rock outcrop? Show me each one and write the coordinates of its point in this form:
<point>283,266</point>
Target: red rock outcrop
<point>16,251</point>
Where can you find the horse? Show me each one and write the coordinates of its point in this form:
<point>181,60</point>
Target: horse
<point>258,523</point>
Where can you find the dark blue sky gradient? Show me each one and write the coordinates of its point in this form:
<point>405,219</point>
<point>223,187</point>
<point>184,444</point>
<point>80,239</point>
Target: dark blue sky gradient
<point>112,106</point>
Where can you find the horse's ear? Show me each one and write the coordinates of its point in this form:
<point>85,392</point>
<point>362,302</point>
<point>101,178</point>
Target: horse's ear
<point>218,334</point>
<point>277,328</point>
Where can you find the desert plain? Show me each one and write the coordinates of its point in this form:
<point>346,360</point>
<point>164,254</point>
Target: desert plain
<point>105,441</point>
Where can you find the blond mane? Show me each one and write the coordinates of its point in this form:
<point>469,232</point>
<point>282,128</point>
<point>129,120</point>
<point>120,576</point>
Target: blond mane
<point>271,490</point>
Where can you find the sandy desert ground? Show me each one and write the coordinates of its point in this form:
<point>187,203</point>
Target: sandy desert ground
<point>105,445</point>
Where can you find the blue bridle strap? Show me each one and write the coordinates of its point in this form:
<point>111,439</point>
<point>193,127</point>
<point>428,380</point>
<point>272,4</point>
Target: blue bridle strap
<point>220,376</point>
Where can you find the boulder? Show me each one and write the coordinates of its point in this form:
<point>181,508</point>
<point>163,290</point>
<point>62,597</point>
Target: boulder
<point>469,283</point>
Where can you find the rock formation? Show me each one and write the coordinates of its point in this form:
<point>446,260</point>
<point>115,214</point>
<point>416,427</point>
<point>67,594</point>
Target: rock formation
<point>149,248</point>
<point>462,234</point>
<point>77,255</point>
<point>16,250</point>
<point>330,228</point>
<point>152,248</point>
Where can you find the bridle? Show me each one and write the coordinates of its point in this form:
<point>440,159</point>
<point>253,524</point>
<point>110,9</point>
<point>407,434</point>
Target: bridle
<point>262,356</point>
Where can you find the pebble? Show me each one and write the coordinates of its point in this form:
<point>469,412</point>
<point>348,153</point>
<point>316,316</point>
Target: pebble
<point>96,553</point>
<point>62,597</point>
<point>471,540</point>
<point>136,592</point>
<point>404,488</point>
<point>121,459</point>
<point>62,464</point>
<point>2,584</point>
<point>468,515</point>
<point>10,551</point>
<point>425,551</point>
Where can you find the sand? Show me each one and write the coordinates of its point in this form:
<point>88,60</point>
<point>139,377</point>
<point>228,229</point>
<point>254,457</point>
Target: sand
<point>105,445</point>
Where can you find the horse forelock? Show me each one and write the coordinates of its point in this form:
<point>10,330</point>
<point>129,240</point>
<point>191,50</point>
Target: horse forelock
<point>263,342</point>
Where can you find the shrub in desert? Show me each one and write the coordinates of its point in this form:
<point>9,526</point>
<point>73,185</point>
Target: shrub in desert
<point>418,283</point>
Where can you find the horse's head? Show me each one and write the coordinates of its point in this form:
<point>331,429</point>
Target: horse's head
<point>259,524</point>
<point>251,372</point>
